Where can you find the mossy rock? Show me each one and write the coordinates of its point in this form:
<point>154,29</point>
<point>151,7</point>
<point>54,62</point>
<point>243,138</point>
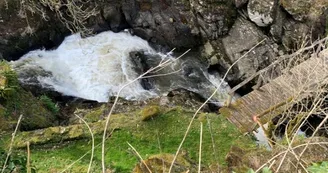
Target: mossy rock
<point>57,134</point>
<point>149,112</point>
<point>16,101</point>
<point>35,115</point>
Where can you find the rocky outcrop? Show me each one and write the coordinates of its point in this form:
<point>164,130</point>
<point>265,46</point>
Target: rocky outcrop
<point>20,33</point>
<point>159,22</point>
<point>246,33</point>
<point>175,24</point>
<point>178,24</point>
<point>261,12</point>
<point>302,10</point>
<point>214,18</point>
<point>240,3</point>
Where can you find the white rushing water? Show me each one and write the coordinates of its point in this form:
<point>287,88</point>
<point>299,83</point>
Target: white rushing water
<point>92,68</point>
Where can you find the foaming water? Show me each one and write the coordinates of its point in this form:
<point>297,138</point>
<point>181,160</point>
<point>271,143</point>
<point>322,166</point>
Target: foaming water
<point>96,67</point>
<point>92,68</point>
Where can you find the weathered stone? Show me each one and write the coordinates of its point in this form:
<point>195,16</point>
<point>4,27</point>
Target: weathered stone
<point>277,28</point>
<point>295,33</point>
<point>214,18</point>
<point>114,17</point>
<point>249,35</point>
<point>152,20</point>
<point>20,32</point>
<point>240,3</point>
<point>305,9</point>
<point>261,12</point>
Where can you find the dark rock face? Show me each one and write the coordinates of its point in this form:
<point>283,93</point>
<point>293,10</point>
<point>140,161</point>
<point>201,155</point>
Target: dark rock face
<point>159,22</point>
<point>240,3</point>
<point>246,33</point>
<point>178,24</point>
<point>19,33</point>
<point>214,18</point>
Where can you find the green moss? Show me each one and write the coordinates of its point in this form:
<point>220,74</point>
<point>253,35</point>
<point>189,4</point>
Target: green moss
<point>15,101</point>
<point>49,104</point>
<point>95,114</point>
<point>8,81</point>
<point>160,135</point>
<point>149,112</point>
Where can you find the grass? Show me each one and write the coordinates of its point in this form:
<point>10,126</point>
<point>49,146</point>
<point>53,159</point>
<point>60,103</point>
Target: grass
<point>161,134</point>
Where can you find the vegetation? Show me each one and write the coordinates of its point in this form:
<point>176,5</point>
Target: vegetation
<point>318,167</point>
<point>8,81</point>
<point>162,134</point>
<point>15,163</point>
<point>49,104</point>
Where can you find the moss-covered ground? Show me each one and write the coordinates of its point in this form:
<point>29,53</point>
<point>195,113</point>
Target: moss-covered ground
<point>161,134</point>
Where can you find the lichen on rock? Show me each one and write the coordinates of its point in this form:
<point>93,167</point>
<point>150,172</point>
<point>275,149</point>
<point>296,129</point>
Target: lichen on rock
<point>261,12</point>
<point>149,112</point>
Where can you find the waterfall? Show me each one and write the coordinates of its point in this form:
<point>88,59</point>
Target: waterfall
<point>96,67</point>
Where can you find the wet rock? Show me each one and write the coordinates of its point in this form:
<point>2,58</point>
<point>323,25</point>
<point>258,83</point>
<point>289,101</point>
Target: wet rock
<point>114,16</point>
<point>261,12</point>
<point>22,31</point>
<point>245,32</point>
<point>214,17</point>
<point>302,10</point>
<point>240,3</point>
<point>159,22</point>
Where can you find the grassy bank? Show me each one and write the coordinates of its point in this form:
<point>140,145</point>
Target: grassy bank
<point>161,134</point>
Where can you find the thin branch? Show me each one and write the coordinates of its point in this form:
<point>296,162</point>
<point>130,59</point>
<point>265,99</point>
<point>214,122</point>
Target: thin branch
<point>208,99</point>
<point>92,140</point>
<point>11,143</point>
<point>200,147</point>
<point>142,160</point>
<point>152,69</point>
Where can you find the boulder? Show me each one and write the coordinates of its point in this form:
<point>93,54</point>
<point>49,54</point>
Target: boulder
<point>302,10</point>
<point>261,12</point>
<point>294,34</point>
<point>249,35</point>
<point>240,3</point>
<point>159,22</point>
<point>214,18</point>
<point>277,27</point>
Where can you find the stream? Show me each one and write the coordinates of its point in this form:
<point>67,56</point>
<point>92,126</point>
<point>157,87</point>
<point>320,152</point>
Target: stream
<point>96,67</point>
